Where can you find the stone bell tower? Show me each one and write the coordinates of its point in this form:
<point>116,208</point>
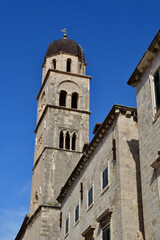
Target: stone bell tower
<point>62,129</point>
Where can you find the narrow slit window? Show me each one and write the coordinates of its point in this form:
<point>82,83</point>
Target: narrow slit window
<point>74,142</point>
<point>157,88</point>
<point>74,101</point>
<point>61,139</point>
<point>54,63</point>
<point>68,67</point>
<point>62,98</point>
<point>67,140</point>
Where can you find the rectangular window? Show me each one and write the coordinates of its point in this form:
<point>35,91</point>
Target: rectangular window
<point>90,195</point>
<point>67,225</point>
<point>76,213</point>
<point>106,233</point>
<point>157,88</point>
<point>105,177</point>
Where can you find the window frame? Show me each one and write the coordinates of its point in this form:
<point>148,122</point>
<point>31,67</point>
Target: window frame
<point>76,221</point>
<point>66,233</point>
<point>103,189</point>
<point>92,203</point>
<point>106,226</point>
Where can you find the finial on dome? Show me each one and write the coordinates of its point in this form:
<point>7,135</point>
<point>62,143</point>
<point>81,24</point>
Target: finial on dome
<point>65,34</point>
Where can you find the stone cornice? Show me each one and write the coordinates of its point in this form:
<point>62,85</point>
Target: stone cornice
<point>58,107</point>
<point>145,61</point>
<point>101,132</point>
<point>61,72</point>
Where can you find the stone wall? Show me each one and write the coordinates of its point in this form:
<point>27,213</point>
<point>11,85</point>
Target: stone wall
<point>120,195</point>
<point>149,143</point>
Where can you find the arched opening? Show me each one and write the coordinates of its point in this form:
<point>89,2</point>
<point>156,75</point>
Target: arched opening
<point>67,141</point>
<point>61,139</point>
<point>35,201</point>
<point>54,63</point>
<point>74,142</point>
<point>68,67</point>
<point>74,101</point>
<point>62,98</point>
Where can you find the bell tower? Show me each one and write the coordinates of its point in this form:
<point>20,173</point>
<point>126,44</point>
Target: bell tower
<point>62,129</point>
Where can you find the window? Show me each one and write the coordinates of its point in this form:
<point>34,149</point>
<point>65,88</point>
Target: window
<point>74,100</point>
<point>68,67</point>
<point>106,233</point>
<point>157,88</point>
<point>90,195</point>
<point>74,141</point>
<point>61,139</point>
<point>105,177</point>
<point>62,98</point>
<point>67,140</point>
<point>76,213</point>
<point>54,63</point>
<point>67,145</point>
<point>67,225</point>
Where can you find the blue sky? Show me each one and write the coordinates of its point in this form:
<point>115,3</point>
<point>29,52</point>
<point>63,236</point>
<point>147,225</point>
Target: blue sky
<point>114,35</point>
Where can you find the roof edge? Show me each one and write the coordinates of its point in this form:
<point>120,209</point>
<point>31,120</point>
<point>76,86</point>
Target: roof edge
<point>145,61</point>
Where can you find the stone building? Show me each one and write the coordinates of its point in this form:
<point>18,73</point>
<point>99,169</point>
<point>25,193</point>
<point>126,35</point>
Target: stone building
<point>108,188</point>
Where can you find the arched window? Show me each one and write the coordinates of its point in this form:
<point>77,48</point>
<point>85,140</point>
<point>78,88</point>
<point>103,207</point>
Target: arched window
<point>67,141</point>
<point>62,98</point>
<point>68,67</point>
<point>74,101</point>
<point>54,63</point>
<point>61,139</point>
<point>74,142</point>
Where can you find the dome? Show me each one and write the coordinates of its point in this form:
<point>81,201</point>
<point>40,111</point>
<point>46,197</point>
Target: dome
<point>67,46</point>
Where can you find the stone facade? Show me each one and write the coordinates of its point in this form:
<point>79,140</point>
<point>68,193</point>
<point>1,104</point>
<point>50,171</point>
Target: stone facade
<point>149,137</point>
<point>120,195</point>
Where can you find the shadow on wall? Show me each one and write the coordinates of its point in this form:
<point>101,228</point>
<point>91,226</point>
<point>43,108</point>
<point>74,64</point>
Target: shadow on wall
<point>134,149</point>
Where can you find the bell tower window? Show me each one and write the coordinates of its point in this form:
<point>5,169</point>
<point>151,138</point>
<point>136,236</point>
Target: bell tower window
<point>68,66</point>
<point>61,139</point>
<point>74,142</point>
<point>67,140</point>
<point>54,63</point>
<point>74,100</point>
<point>62,98</point>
